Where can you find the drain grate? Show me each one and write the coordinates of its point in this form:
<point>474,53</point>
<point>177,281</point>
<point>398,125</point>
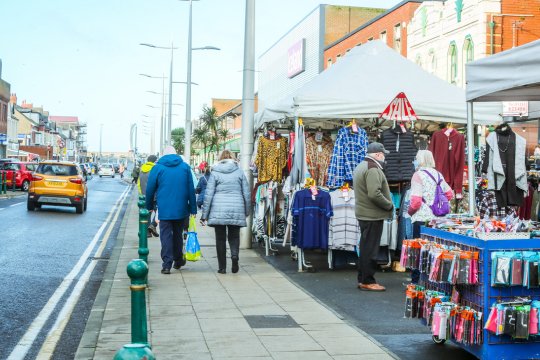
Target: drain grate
<point>271,321</point>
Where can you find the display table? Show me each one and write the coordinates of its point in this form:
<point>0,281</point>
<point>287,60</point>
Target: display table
<point>482,295</point>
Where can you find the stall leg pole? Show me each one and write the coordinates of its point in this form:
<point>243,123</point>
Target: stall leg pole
<point>470,157</point>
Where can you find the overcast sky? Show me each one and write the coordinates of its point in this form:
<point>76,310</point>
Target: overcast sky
<point>82,58</point>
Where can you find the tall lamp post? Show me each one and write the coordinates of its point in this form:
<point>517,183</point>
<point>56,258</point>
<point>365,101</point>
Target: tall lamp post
<point>187,140</point>
<point>152,130</point>
<point>162,135</point>
<point>100,139</point>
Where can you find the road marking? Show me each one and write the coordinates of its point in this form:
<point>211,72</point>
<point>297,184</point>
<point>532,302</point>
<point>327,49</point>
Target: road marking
<point>2,209</point>
<point>26,342</point>
<point>50,343</point>
<point>12,205</point>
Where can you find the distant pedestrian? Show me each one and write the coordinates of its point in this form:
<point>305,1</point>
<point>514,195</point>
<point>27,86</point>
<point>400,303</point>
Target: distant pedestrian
<point>201,186</point>
<point>227,203</point>
<point>141,185</point>
<point>121,170</point>
<point>172,186</point>
<point>135,173</point>
<point>373,205</point>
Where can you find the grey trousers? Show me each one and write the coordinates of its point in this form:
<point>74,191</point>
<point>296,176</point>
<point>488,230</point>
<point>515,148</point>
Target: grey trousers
<point>224,233</point>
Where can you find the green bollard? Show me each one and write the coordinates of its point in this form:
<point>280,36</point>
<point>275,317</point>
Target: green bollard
<point>143,233</point>
<point>137,271</point>
<point>134,352</point>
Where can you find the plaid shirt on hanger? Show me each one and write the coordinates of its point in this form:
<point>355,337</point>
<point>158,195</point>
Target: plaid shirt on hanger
<point>488,206</point>
<point>349,151</point>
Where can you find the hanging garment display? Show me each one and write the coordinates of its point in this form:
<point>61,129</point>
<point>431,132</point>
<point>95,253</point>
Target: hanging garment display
<point>299,170</point>
<point>448,148</point>
<point>350,149</point>
<point>505,166</point>
<point>318,154</point>
<point>488,207</point>
<point>271,158</point>
<point>401,144</point>
<point>312,210</point>
<point>517,319</point>
<point>526,209</point>
<point>344,228</point>
<point>292,138</point>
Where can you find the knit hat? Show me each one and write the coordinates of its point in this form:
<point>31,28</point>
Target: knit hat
<point>169,150</point>
<point>151,158</point>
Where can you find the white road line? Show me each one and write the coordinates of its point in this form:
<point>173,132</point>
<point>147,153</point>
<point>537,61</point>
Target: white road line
<point>12,205</point>
<point>2,209</point>
<point>26,342</point>
<point>48,347</point>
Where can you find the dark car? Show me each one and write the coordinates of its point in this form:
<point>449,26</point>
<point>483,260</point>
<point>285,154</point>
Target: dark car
<point>116,168</point>
<point>23,173</point>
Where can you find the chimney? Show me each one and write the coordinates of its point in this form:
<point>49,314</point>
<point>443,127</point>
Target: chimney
<point>13,99</point>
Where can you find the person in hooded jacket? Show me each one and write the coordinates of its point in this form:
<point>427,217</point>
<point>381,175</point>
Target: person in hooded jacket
<point>200,190</point>
<point>227,203</point>
<point>142,180</point>
<point>172,186</point>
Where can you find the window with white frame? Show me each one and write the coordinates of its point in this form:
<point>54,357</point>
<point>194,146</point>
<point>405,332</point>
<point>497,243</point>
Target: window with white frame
<point>383,36</point>
<point>397,38</point>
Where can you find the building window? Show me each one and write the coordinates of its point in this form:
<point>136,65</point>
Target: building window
<point>359,44</point>
<point>338,57</point>
<point>452,63</point>
<point>383,36</point>
<point>370,39</point>
<point>329,63</point>
<point>397,38</point>
<point>468,50</point>
<point>418,60</point>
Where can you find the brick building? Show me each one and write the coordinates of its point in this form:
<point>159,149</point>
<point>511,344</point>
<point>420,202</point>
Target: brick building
<point>390,27</point>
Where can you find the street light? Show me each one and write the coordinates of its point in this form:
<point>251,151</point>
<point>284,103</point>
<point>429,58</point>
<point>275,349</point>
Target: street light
<point>187,140</point>
<point>152,123</point>
<point>100,139</point>
<point>162,122</point>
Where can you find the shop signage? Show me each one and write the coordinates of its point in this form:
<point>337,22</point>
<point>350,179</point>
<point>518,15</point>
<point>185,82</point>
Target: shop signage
<point>400,109</point>
<point>515,108</point>
<point>296,59</point>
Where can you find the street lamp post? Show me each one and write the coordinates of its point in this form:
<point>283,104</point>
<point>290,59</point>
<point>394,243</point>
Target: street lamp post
<point>100,139</point>
<point>162,133</point>
<point>187,139</point>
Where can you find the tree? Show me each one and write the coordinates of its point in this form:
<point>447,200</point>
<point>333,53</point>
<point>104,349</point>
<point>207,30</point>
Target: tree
<point>202,137</point>
<point>223,136</point>
<point>211,123</point>
<point>177,137</point>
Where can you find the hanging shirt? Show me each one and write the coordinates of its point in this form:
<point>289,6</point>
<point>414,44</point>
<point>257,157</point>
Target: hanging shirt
<point>349,151</point>
<point>271,159</point>
<point>449,154</point>
<point>344,229</point>
<point>312,218</point>
<point>318,155</point>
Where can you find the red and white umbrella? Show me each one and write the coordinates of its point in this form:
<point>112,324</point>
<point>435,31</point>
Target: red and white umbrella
<point>399,109</point>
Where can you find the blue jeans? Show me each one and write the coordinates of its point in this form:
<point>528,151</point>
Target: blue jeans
<point>172,242</point>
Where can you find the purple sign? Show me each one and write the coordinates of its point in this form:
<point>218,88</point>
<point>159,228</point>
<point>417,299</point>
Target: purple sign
<point>295,59</point>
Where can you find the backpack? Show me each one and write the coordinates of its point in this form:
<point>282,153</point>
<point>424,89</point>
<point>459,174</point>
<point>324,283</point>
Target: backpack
<point>441,205</point>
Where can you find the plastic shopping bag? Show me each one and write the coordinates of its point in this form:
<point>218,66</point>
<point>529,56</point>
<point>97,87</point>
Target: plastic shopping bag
<point>193,249</point>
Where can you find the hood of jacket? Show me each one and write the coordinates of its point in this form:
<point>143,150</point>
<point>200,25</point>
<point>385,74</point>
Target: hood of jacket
<point>170,160</point>
<point>226,166</point>
<point>146,167</point>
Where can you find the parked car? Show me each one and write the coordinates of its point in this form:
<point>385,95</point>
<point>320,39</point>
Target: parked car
<point>23,173</point>
<point>117,168</point>
<point>106,170</point>
<point>58,183</point>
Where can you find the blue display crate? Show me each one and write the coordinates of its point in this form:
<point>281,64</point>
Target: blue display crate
<point>483,295</point>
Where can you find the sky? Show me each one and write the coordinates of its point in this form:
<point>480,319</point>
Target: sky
<point>83,58</point>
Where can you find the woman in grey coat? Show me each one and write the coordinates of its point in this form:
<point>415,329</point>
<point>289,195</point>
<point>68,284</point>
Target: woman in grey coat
<point>227,203</point>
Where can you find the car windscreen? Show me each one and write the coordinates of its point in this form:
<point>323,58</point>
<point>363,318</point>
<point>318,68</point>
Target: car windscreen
<point>31,167</point>
<point>57,169</point>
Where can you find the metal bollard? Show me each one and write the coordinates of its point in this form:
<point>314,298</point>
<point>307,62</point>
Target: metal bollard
<point>143,233</point>
<point>139,349</point>
<point>134,352</point>
<point>137,271</point>
<point>4,182</point>
<point>13,181</point>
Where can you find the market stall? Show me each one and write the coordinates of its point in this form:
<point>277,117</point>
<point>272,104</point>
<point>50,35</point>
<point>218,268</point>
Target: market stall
<point>322,132</point>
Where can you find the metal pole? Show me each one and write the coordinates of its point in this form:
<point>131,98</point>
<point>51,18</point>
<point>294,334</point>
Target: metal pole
<point>470,157</point>
<point>187,139</point>
<point>163,130</point>
<point>137,271</point>
<point>248,109</point>
<point>143,233</point>
<point>169,126</point>
<point>100,139</point>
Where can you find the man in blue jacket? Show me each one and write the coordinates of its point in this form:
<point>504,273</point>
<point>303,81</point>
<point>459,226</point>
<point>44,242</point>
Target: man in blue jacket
<point>171,182</point>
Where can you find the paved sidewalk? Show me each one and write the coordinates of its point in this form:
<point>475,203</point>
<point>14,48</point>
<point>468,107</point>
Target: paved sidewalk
<point>195,313</point>
<point>11,194</point>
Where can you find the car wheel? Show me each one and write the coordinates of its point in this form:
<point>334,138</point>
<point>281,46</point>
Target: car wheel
<point>30,206</point>
<point>100,176</point>
<point>85,203</point>
<point>113,176</point>
<point>79,208</point>
<point>25,185</point>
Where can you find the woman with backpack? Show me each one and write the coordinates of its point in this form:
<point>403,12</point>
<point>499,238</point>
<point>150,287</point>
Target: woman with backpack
<point>430,194</point>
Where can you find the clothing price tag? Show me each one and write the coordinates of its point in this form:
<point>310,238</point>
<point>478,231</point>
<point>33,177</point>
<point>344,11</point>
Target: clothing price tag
<point>272,136</point>
<point>448,132</point>
<point>403,128</point>
<point>318,136</point>
<point>314,192</point>
<point>278,145</point>
<point>346,195</point>
<point>319,148</point>
<point>354,127</point>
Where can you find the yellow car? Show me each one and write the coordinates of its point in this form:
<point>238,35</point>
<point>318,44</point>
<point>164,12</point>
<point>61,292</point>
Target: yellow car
<point>58,183</point>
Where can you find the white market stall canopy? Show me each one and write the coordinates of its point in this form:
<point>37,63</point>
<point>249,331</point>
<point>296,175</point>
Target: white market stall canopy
<point>512,75</point>
<point>366,80</point>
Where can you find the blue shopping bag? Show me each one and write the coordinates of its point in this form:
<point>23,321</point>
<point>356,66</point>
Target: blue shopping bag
<point>193,249</point>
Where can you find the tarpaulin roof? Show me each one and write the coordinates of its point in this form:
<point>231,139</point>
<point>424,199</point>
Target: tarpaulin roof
<point>365,81</point>
<point>512,75</point>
